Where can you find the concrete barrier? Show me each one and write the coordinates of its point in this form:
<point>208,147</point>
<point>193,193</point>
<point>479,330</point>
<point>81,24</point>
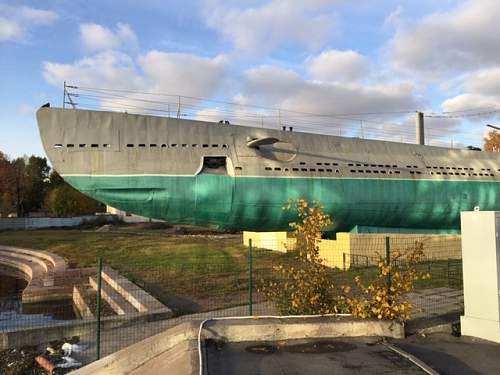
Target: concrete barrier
<point>27,223</point>
<point>174,351</point>
<point>361,249</point>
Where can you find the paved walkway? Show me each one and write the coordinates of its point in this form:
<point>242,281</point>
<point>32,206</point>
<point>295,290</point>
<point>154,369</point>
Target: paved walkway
<point>429,303</point>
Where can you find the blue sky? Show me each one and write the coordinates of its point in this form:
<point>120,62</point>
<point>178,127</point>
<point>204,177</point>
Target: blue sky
<point>319,56</point>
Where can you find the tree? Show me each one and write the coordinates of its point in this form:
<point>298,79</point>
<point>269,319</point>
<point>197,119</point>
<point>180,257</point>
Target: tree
<point>63,200</point>
<point>492,141</point>
<point>6,196</point>
<point>17,182</point>
<point>37,183</point>
<point>305,287</point>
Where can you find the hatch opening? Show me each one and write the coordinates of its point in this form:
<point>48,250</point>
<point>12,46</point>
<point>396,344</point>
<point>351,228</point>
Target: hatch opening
<point>214,165</point>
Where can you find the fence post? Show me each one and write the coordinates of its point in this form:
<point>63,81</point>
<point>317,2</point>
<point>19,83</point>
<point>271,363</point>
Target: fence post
<point>388,261</point>
<point>250,278</point>
<point>343,260</point>
<point>448,271</point>
<point>98,308</point>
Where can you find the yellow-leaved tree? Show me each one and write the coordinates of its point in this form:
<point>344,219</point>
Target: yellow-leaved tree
<point>492,141</point>
<point>384,298</point>
<point>305,286</point>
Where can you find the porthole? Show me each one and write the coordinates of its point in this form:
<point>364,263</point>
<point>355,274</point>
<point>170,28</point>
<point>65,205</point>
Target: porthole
<point>321,170</point>
<point>70,145</point>
<point>194,145</point>
<point>128,145</point>
<point>383,172</point>
<point>106,145</point>
<point>353,171</point>
<point>304,169</point>
<point>215,145</point>
<point>205,145</point>
<point>82,145</point>
<point>94,145</point>
<point>173,145</point>
<point>269,169</point>
<point>295,169</point>
<point>164,145</point>
<point>312,170</point>
<point>142,145</point>
<point>328,170</point>
<point>184,145</point>
<point>302,163</point>
<point>152,145</point>
<point>238,168</point>
<point>224,146</point>
<point>277,169</point>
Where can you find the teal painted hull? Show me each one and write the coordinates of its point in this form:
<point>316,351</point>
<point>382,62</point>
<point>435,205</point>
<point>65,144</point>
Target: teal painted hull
<point>255,203</point>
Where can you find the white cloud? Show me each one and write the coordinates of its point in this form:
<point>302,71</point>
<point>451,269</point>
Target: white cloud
<point>393,19</point>
<point>338,66</point>
<point>106,69</point>
<point>95,37</point>
<point>485,82</point>
<point>10,30</point>
<point>25,109</point>
<point>182,73</point>
<point>161,72</point>
<point>38,16</point>
<point>263,27</point>
<point>17,21</point>
<point>446,43</point>
<point>287,89</point>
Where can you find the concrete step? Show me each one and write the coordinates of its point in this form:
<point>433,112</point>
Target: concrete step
<point>138,297</point>
<point>54,261</point>
<point>26,257</point>
<point>119,304</point>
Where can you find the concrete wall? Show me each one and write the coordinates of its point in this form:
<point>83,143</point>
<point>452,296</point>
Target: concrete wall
<point>25,223</point>
<point>130,218</point>
<point>362,249</point>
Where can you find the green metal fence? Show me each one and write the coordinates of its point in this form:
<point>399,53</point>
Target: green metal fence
<point>126,300</point>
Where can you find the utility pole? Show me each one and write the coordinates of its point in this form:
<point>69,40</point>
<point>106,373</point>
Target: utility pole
<point>419,127</point>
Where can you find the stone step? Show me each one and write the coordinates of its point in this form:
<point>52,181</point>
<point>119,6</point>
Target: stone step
<point>26,257</point>
<point>135,295</point>
<point>119,304</point>
<point>54,261</point>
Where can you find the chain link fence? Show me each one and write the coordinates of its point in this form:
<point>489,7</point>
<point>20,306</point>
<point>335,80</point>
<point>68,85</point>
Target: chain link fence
<point>118,301</point>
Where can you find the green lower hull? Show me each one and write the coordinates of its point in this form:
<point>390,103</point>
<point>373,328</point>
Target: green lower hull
<point>255,203</point>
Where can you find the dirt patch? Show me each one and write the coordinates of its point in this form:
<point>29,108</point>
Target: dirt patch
<point>22,361</point>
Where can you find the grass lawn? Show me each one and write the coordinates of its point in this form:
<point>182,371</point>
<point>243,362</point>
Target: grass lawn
<point>189,273</point>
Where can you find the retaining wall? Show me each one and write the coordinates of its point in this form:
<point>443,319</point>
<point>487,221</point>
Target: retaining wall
<point>25,223</point>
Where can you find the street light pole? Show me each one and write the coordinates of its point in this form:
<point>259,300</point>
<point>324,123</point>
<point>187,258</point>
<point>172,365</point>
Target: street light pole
<point>493,127</point>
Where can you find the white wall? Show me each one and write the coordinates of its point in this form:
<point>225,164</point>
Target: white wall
<point>24,223</point>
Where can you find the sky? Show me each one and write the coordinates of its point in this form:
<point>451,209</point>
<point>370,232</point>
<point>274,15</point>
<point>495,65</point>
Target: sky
<point>371,64</point>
